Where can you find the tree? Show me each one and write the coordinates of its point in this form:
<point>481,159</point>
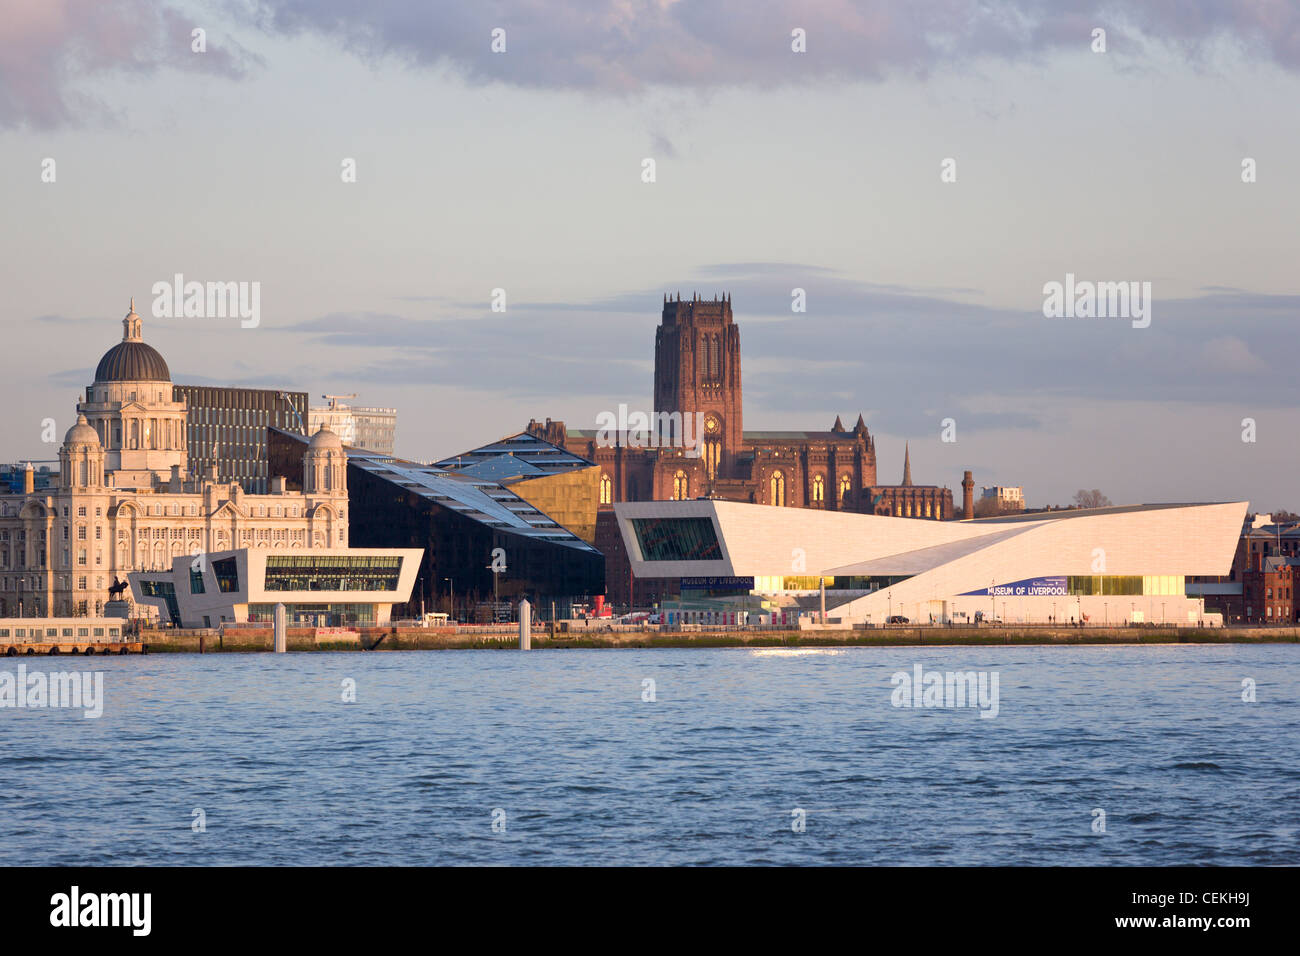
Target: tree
<point>1090,499</point>
<point>992,507</point>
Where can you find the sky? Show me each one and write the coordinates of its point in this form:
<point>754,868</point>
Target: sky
<point>774,170</point>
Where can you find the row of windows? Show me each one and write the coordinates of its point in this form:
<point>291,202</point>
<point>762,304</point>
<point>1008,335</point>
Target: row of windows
<point>1126,584</point>
<point>81,513</point>
<point>141,433</point>
<point>1283,594</point>
<point>712,364</point>
<point>158,396</point>
<point>320,615</point>
<point>776,488</point>
<point>176,510</point>
<point>36,632</point>
<point>1277,612</point>
<point>221,542</point>
<point>34,583</point>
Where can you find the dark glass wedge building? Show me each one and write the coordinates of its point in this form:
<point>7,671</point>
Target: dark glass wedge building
<point>466,524</point>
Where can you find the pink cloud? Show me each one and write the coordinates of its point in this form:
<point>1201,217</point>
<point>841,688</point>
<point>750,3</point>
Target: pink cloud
<point>51,50</point>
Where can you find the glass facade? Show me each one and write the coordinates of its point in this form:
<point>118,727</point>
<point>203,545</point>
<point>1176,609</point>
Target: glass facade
<point>1134,584</point>
<point>773,584</point>
<point>332,572</point>
<point>226,427</point>
<point>315,615</point>
<point>677,539</point>
<point>226,571</point>
<point>1105,584</point>
<point>165,590</point>
<point>454,574</point>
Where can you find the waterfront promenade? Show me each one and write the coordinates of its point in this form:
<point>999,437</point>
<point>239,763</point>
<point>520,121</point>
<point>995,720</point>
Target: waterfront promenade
<point>596,636</point>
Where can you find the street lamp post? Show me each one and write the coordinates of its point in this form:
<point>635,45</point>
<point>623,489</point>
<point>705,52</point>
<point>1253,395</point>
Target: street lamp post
<point>451,597</point>
<point>495,572</point>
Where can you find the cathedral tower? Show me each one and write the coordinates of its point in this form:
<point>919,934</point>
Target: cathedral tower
<point>697,369</point>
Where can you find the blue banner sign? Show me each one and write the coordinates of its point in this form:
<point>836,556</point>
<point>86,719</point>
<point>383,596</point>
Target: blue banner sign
<point>1030,587</point>
<point>718,584</point>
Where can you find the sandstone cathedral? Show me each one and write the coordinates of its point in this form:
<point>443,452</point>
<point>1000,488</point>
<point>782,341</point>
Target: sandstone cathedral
<point>697,378</point>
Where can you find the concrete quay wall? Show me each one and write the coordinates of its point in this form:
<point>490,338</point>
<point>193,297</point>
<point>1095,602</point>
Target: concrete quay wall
<point>390,639</point>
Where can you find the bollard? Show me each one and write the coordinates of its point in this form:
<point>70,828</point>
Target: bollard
<point>525,625</point>
<point>281,630</point>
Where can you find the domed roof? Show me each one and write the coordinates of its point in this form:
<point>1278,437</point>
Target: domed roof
<point>81,433</point>
<point>131,360</point>
<point>324,439</point>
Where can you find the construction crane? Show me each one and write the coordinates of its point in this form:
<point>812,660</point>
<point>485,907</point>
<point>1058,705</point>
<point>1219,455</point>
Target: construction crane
<point>334,399</point>
<point>297,414</point>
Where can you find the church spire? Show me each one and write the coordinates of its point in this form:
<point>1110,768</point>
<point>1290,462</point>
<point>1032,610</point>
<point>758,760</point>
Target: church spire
<point>907,466</point>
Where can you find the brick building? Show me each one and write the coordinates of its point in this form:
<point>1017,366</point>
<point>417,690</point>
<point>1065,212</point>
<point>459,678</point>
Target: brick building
<point>1260,587</point>
<point>1268,590</point>
<point>692,443</point>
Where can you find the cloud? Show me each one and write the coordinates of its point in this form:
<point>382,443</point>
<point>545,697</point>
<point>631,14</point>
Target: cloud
<point>914,355</point>
<point>1229,353</point>
<point>621,46</point>
<point>50,48</point>
<point>662,146</point>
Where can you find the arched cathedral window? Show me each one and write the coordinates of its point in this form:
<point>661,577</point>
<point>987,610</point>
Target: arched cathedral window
<point>776,489</point>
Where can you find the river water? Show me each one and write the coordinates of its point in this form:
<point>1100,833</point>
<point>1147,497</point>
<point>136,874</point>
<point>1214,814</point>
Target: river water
<point>562,757</point>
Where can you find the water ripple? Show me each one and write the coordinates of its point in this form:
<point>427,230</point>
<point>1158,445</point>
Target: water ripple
<point>560,749</point>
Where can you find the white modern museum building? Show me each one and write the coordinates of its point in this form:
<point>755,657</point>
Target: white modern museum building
<point>330,587</point>
<point>1100,566</point>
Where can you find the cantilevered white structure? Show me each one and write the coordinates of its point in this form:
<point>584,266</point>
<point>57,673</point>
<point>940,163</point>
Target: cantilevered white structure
<point>332,587</point>
<point>1107,565</point>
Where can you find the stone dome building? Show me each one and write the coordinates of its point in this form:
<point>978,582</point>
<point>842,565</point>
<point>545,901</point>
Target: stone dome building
<point>125,501</point>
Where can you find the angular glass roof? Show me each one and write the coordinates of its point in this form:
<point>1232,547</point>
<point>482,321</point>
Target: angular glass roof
<point>482,500</point>
<point>501,468</point>
<point>514,458</point>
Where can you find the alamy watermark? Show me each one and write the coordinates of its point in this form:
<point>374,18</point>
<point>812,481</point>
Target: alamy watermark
<point>208,300</point>
<point>640,429</point>
<point>83,690</point>
<point>923,688</point>
<point>75,908</point>
<point>1101,300</point>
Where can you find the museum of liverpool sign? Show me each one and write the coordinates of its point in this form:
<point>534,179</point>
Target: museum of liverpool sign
<point>1030,587</point>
